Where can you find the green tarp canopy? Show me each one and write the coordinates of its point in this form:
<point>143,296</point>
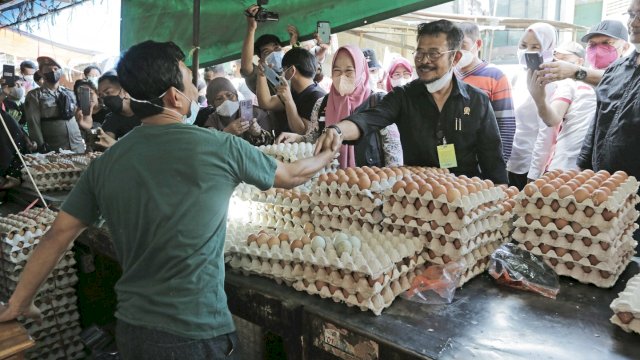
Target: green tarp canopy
<point>223,25</point>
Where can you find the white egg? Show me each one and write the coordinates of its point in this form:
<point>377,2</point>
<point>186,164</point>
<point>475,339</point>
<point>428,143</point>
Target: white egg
<point>343,246</point>
<point>340,236</point>
<point>318,242</point>
<point>355,242</point>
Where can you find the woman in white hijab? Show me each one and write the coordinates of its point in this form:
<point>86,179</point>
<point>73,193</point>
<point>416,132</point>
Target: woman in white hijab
<point>533,139</point>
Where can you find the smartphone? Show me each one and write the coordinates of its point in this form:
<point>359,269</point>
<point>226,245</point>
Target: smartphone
<point>324,31</point>
<point>246,110</point>
<point>9,75</point>
<point>534,60</point>
<point>84,100</point>
<point>271,75</point>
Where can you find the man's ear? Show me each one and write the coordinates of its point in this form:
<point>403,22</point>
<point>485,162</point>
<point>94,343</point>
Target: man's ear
<point>172,99</point>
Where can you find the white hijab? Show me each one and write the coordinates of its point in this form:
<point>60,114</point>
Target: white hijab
<point>547,36</point>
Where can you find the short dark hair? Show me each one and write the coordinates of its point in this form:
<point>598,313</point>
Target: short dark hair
<point>454,34</point>
<point>263,40</point>
<point>470,30</point>
<point>110,76</point>
<point>88,69</point>
<point>304,61</point>
<point>147,70</point>
<point>28,64</point>
<point>83,82</point>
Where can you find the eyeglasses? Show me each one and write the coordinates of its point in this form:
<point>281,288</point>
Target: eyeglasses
<point>396,76</point>
<point>633,15</point>
<point>431,55</point>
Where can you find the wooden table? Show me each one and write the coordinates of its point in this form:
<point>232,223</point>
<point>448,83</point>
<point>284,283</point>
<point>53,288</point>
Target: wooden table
<point>14,340</point>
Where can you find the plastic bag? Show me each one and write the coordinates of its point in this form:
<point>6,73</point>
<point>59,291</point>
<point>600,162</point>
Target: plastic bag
<point>437,284</point>
<point>521,269</point>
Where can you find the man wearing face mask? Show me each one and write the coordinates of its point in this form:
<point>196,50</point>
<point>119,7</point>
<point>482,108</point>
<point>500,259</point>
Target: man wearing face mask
<point>164,192</point>
<point>297,92</point>
<point>49,112</point>
<point>487,77</point>
<point>443,122</point>
<point>606,42</point>
<point>27,71</point>
<point>121,118</point>
<point>92,73</point>
<point>376,74</point>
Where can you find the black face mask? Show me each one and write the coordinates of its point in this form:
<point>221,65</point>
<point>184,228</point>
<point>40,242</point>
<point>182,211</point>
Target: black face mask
<point>113,103</point>
<point>52,77</point>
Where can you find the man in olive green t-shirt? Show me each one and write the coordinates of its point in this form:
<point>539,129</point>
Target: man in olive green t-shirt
<point>163,191</point>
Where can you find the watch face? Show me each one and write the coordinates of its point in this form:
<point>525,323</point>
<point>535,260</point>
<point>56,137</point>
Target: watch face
<point>581,74</point>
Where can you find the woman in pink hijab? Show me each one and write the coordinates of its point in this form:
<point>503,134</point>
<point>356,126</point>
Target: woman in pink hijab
<point>349,94</point>
<point>400,73</point>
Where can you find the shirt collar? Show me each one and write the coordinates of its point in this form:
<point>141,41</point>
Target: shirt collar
<point>632,58</point>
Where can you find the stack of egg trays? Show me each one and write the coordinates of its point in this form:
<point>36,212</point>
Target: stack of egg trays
<point>626,307</point>
<point>52,176</point>
<point>369,277</point>
<point>57,335</point>
<point>590,243</point>
<point>468,228</point>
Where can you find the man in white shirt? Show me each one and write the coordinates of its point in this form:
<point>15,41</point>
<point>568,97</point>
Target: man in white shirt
<point>569,111</point>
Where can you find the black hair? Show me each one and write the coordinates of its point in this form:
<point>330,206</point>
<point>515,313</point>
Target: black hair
<point>88,69</point>
<point>470,30</point>
<point>37,76</point>
<point>28,64</point>
<point>110,76</point>
<point>147,70</point>
<point>82,82</point>
<point>304,61</point>
<point>454,34</point>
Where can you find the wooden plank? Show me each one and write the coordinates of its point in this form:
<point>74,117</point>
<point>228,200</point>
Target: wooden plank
<point>14,340</point>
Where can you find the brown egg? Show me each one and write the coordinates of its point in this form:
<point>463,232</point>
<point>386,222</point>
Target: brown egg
<point>588,173</point>
<point>539,183</point>
<point>575,255</point>
<point>545,220</point>
<point>353,180</point>
<point>471,188</point>
<point>378,280</point>
<point>560,252</point>
<point>605,173</point>
<point>331,178</point>
<point>570,238</point>
<point>448,229</point>
<point>489,183</point>
<point>582,194</point>
<point>544,248</point>
<point>382,175</point>
<point>610,185</point>
<point>565,177</point>
<point>524,202</point>
<point>453,195</point>
<point>320,284</point>
<point>364,182</point>
<point>576,227</point>
<point>438,191</point>
<point>594,184</point>
<point>305,240</point>
<point>588,211</point>
<point>547,190</point>
<point>262,239</point>
<point>417,204</point>
<point>594,230</point>
<point>555,205</point>
<point>308,227</point>
<point>400,184</point>
<point>296,244</point>
<point>252,238</point>
<point>284,237</point>
<point>374,178</point>
<point>528,219</point>
<point>608,215</point>
<point>553,234</point>
<point>530,189</point>
<point>411,187</point>
<point>343,179</point>
<point>538,232</point>
<point>273,241</point>
<point>574,184</point>
<point>599,197</point>
<point>323,178</point>
<point>571,208</point>
<point>621,174</point>
<point>539,203</point>
<point>426,188</point>
<point>460,213</point>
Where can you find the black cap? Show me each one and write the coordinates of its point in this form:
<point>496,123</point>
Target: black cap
<point>611,28</point>
<point>28,64</point>
<point>264,40</point>
<point>372,61</point>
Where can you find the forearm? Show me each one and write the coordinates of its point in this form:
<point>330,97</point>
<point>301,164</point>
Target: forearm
<point>548,115</point>
<point>296,123</point>
<point>301,171</point>
<point>246,59</point>
<point>86,122</point>
<point>350,131</point>
<point>593,76</point>
<point>265,100</point>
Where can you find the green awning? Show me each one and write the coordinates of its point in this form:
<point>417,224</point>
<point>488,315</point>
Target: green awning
<point>223,24</point>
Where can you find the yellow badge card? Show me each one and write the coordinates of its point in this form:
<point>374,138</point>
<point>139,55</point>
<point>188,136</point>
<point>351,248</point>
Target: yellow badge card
<point>447,156</point>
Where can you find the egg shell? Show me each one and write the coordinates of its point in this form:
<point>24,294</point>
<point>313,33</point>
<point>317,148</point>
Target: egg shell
<point>400,184</point>
<point>564,191</point>
<point>273,241</point>
<point>547,190</point>
<point>599,197</point>
<point>318,242</point>
<point>581,194</point>
<point>296,244</point>
<point>355,242</point>
<point>283,237</point>
<point>530,189</point>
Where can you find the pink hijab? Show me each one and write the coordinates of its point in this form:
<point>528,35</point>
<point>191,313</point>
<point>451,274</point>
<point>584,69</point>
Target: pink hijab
<point>340,107</point>
<point>394,65</point>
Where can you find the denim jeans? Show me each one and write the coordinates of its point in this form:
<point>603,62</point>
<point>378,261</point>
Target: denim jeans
<point>140,343</point>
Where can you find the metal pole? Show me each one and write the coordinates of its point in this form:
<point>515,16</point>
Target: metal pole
<point>195,65</point>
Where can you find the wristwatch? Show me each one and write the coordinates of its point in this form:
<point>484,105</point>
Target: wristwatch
<point>334,127</point>
<point>581,74</point>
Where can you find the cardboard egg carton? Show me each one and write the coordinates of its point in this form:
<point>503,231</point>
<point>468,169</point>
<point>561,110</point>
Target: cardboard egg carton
<point>69,349</point>
<point>586,246</point>
<point>66,334</point>
<point>464,234</point>
<point>376,304</point>
<point>52,282</point>
<point>372,217</point>
<point>564,227</point>
<point>16,254</point>
<point>55,273</point>
<point>607,263</point>
<point>614,202</point>
<point>56,299</point>
<point>588,216</point>
<point>475,269</point>
<point>273,269</point>
<point>54,330</point>
<point>287,221</point>
<point>376,187</point>
<point>368,202</point>
<point>289,152</point>
<point>626,307</point>
<point>342,223</point>
<point>52,318</point>
<point>588,274</point>
<point>467,203</point>
<point>442,215</point>
<point>8,267</point>
<point>280,197</point>
<point>440,245</point>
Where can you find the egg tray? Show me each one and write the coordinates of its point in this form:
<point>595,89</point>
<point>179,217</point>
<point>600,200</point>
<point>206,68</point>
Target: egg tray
<point>368,201</point>
<point>465,234</point>
<point>377,255</point>
<point>18,254</point>
<point>9,267</point>
<point>65,334</point>
<point>52,282</point>
<point>64,297</point>
<point>294,271</point>
<point>289,152</point>
<point>609,264</point>
<point>55,273</point>
<point>480,266</point>
<point>341,223</point>
<point>592,232</point>
<point>467,203</point>
<point>372,217</point>
<point>587,274</point>
<point>281,221</point>
<point>59,186</point>
<point>21,238</point>
<point>470,259</point>
<point>626,307</point>
<point>51,319</point>
<point>375,304</point>
<point>273,196</point>
<point>613,219</point>
<point>585,246</point>
<point>442,215</point>
<point>70,349</point>
<point>615,201</point>
<point>54,330</point>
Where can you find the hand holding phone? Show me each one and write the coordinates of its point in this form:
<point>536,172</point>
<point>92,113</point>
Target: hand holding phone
<point>324,31</point>
<point>9,75</point>
<point>534,60</point>
<point>84,100</point>
<point>271,75</point>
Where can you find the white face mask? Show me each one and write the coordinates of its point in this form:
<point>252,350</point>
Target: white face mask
<point>16,93</point>
<point>94,80</point>
<point>188,118</point>
<point>228,108</point>
<point>275,60</point>
<point>28,78</point>
<point>400,82</point>
<point>465,60</point>
<point>442,82</point>
<point>345,85</point>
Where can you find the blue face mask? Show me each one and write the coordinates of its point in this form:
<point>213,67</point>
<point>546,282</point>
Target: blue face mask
<point>275,60</point>
<point>188,118</point>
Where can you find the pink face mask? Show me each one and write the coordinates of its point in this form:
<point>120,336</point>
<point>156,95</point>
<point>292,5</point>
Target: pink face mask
<point>600,56</point>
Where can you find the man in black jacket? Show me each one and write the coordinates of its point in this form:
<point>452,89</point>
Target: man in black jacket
<point>443,122</point>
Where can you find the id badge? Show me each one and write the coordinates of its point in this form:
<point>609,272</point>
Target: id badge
<point>447,156</point>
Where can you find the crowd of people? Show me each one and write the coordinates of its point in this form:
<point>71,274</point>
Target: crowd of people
<point>164,188</point>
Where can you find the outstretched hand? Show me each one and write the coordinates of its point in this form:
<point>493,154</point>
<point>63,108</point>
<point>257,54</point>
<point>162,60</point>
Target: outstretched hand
<point>329,140</point>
